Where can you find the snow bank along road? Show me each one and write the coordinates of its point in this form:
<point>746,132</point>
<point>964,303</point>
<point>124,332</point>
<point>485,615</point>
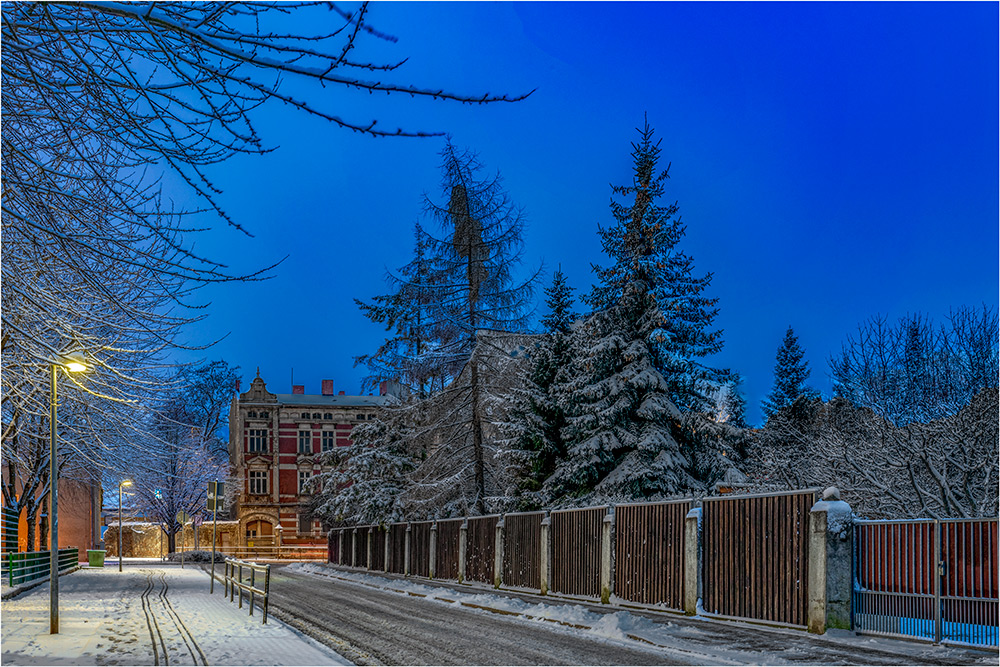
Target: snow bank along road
<point>389,620</point>
<point>147,615</point>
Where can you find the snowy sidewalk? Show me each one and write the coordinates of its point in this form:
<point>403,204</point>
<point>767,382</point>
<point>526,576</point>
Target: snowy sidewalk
<point>147,615</point>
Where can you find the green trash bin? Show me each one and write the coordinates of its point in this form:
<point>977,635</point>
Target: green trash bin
<point>96,557</point>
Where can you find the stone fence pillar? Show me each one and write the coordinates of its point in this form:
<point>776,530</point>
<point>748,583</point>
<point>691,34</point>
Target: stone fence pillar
<point>546,557</point>
<point>498,554</point>
<point>692,560</point>
<point>406,550</point>
<point>463,533</point>
<point>433,550</point>
<point>830,551</point>
<point>608,555</point>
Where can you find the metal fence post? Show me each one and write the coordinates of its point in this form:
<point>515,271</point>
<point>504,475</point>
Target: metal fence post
<point>938,574</point>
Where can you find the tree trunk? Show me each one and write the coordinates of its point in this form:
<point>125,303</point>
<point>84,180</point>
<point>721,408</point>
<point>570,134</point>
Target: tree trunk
<point>31,517</point>
<point>43,525</point>
<point>477,440</point>
<point>171,541</point>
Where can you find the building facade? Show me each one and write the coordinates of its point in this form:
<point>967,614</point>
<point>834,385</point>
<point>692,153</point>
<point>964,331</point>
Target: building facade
<point>275,447</point>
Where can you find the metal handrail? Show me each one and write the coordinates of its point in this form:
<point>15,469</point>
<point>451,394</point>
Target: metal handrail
<point>234,579</point>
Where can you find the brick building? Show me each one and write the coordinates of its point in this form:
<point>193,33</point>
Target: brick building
<point>275,442</point>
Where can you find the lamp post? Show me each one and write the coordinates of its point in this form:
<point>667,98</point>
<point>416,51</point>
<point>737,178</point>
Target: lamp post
<point>73,366</point>
<point>124,482</point>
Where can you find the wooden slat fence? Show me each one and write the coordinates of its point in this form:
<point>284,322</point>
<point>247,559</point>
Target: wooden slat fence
<point>576,551</point>
<point>361,547</point>
<point>480,548</point>
<point>522,551</point>
<point>446,565</point>
<point>755,556</point>
<point>333,546</point>
<point>420,548</point>
<point>397,548</point>
<point>649,552</point>
<point>378,548</point>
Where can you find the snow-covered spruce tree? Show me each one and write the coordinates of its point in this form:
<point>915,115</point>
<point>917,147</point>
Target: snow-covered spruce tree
<point>363,481</point>
<point>731,406</point>
<point>407,355</point>
<point>643,245</point>
<point>620,441</point>
<point>791,371</point>
<point>534,432</point>
<point>477,301</point>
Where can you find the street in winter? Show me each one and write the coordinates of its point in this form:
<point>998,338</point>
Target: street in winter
<point>500,333</point>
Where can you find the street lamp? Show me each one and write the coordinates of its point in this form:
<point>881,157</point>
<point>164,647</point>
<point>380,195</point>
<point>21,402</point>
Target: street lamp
<point>124,482</point>
<point>71,365</point>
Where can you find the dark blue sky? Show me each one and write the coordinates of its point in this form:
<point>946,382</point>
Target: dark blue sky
<point>832,162</point>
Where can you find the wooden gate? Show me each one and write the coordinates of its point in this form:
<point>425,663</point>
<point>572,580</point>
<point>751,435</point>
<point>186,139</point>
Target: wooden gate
<point>756,554</point>
<point>522,551</point>
<point>649,552</point>
<point>576,551</point>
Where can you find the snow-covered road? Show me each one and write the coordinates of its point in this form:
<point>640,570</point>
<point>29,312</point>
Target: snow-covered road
<point>148,615</point>
<point>389,620</point>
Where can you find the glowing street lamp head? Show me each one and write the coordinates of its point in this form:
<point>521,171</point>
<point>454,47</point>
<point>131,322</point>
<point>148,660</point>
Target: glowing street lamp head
<point>75,364</point>
<point>126,482</point>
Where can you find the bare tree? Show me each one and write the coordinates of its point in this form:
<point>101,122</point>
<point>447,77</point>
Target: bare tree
<point>943,468</point>
<point>104,103</point>
<point>916,371</point>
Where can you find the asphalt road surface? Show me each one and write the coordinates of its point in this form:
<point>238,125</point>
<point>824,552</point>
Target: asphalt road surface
<point>370,626</point>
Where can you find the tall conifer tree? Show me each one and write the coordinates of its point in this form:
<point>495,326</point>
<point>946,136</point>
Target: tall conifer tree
<point>790,373</point>
<point>643,245</point>
<point>539,416</point>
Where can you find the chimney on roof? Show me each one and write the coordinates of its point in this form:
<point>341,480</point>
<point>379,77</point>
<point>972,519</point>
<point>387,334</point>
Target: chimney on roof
<point>328,387</point>
<point>341,393</point>
<point>298,389</point>
<point>383,388</point>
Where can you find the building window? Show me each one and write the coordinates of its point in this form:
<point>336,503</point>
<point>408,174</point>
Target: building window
<point>258,482</point>
<point>252,415</point>
<point>305,442</point>
<point>305,524</point>
<point>304,477</point>
<point>328,415</point>
<point>305,415</point>
<point>257,440</point>
<point>360,417</point>
<point>316,415</point>
<point>329,440</point>
<point>264,415</point>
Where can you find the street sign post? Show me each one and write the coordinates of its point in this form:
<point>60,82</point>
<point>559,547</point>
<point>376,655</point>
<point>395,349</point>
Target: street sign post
<point>182,518</point>
<point>216,502</point>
